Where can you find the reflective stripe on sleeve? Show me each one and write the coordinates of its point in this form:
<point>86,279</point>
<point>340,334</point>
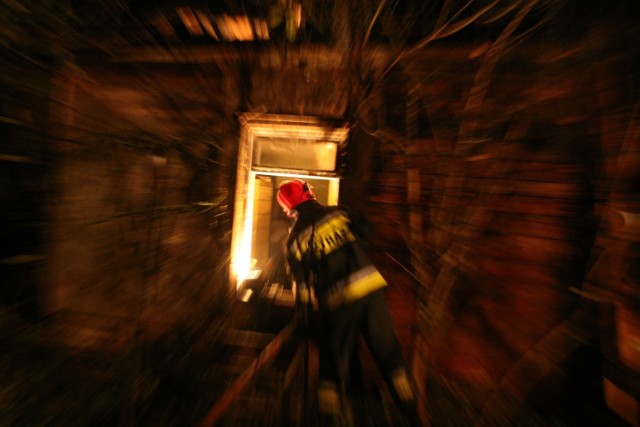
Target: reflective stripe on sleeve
<point>359,284</point>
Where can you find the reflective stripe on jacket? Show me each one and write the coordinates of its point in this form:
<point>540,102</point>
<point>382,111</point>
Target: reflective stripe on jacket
<point>342,270</point>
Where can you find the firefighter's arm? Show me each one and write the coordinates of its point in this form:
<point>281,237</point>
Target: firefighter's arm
<point>298,273</point>
<point>303,293</point>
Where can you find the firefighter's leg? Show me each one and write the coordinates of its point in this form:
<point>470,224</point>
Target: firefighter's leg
<point>341,330</point>
<point>380,335</point>
<point>329,399</point>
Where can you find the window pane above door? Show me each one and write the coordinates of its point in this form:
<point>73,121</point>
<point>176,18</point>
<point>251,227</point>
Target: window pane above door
<point>291,153</point>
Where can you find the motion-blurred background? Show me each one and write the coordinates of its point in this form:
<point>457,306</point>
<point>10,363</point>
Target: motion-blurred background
<point>493,146</point>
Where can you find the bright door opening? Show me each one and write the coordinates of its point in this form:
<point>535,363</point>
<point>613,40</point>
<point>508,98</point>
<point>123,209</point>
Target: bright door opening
<point>272,151</point>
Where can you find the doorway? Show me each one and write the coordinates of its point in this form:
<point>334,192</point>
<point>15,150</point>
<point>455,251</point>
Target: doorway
<point>274,149</point>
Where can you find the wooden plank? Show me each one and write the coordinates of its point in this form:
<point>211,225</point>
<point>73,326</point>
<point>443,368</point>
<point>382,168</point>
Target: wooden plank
<point>266,357</point>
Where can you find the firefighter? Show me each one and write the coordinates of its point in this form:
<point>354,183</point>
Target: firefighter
<point>327,258</point>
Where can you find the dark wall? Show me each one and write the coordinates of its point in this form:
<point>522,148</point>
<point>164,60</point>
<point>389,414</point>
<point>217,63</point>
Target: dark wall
<point>508,194</point>
<point>139,215</point>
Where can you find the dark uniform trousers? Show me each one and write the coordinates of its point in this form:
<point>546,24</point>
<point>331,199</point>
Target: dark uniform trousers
<point>339,359</point>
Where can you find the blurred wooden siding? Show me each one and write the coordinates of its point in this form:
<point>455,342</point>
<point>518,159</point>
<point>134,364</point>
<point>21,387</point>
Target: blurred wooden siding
<point>500,232</point>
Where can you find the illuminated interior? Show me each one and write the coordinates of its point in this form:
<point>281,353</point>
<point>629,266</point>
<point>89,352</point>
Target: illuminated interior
<point>272,150</point>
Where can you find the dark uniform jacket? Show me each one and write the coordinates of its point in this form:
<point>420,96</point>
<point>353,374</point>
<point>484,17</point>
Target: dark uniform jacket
<point>323,249</point>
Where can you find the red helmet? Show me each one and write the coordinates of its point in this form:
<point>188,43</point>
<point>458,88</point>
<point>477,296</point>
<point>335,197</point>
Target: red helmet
<point>292,193</point>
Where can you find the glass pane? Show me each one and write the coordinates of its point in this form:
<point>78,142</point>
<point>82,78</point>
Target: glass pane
<point>291,153</point>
